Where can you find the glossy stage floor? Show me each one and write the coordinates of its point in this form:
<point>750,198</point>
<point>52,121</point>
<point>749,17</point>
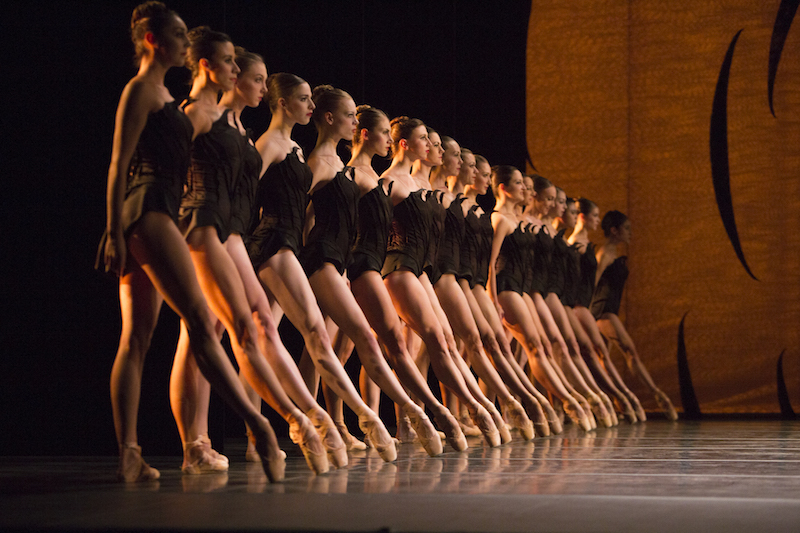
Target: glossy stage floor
<point>657,476</point>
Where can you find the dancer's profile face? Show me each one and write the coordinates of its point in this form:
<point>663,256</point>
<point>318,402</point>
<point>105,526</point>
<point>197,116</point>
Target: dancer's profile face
<point>623,232</point>
<point>528,190</point>
<point>570,216</point>
<point>545,200</point>
<point>222,67</point>
<point>592,220</point>
<point>560,204</point>
<point>299,106</point>
<point>468,169</point>
<point>380,137</point>
<point>418,143</point>
<point>436,151</point>
<point>251,85</point>
<point>451,159</point>
<point>345,123</point>
<point>515,188</point>
<point>482,177</point>
<point>173,42</point>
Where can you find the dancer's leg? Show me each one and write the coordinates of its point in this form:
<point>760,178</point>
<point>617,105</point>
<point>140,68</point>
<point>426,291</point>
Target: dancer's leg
<point>611,326</point>
<point>599,402</point>
<point>157,245</point>
<point>413,305</point>
<point>601,349</point>
<point>519,317</point>
<point>337,301</point>
<point>590,356</point>
<point>285,279</point>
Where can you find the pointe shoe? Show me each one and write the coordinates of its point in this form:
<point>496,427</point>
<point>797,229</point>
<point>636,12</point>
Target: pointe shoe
<point>379,438</point>
<point>665,404</point>
<point>273,460</point>
<point>587,409</point>
<point>427,434</point>
<point>610,408</point>
<point>500,424</point>
<point>405,433</point>
<point>600,412</point>
<point>132,468</point>
<point>251,455</point>
<point>467,427</point>
<point>519,419</point>
<point>350,442</point>
<point>536,414</point>
<point>331,439</point>
<point>624,407</point>
<point>302,433</point>
<point>197,458</point>
<point>452,431</point>
<point>483,420</point>
<point>576,413</point>
<point>637,406</point>
<point>553,421</point>
<point>214,453</point>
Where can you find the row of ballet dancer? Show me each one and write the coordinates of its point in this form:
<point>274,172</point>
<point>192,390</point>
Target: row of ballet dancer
<point>234,234</point>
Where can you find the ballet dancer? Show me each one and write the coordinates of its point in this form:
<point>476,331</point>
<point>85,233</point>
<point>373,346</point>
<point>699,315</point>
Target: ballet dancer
<point>333,215</point>
<point>142,243</point>
<point>282,198</point>
<point>407,282</point>
<point>583,216</point>
<point>508,267</point>
<point>612,271</point>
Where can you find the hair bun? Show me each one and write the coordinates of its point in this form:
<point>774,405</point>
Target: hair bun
<point>319,90</point>
<point>363,107</point>
<point>400,120</point>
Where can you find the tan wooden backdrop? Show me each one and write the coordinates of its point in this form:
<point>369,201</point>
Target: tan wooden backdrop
<point>619,97</point>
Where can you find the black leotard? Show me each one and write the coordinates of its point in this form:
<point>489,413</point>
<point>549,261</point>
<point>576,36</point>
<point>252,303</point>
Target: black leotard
<point>484,250</point>
<point>213,175</point>
<point>512,260</point>
<point>469,248</point>
<point>572,275</point>
<point>157,171</point>
<point>543,252</point>
<point>608,293</point>
<point>438,218</point>
<point>448,259</point>
<point>282,198</point>
<point>409,235</point>
<point>335,217</point>
<point>585,286</point>
<point>374,223</point>
<point>558,265</point>
<point>243,200</point>
<point>530,252</point>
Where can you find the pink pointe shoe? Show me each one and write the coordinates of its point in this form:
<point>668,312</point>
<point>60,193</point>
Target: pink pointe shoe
<point>199,459</point>
<point>331,438</point>
<point>483,420</point>
<point>427,434</point>
<point>132,468</point>
<point>452,430</point>
<point>519,419</point>
<point>302,433</point>
<point>378,437</point>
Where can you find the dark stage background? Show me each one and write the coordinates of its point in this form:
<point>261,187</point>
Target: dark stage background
<point>460,66</point>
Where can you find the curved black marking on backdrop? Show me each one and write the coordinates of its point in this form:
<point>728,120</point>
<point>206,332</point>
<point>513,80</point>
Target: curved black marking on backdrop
<point>720,170</point>
<point>530,161</point>
<point>691,408</point>
<point>783,394</point>
<point>783,21</point>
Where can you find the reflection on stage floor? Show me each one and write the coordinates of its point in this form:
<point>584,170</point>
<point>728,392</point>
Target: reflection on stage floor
<point>655,476</point>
